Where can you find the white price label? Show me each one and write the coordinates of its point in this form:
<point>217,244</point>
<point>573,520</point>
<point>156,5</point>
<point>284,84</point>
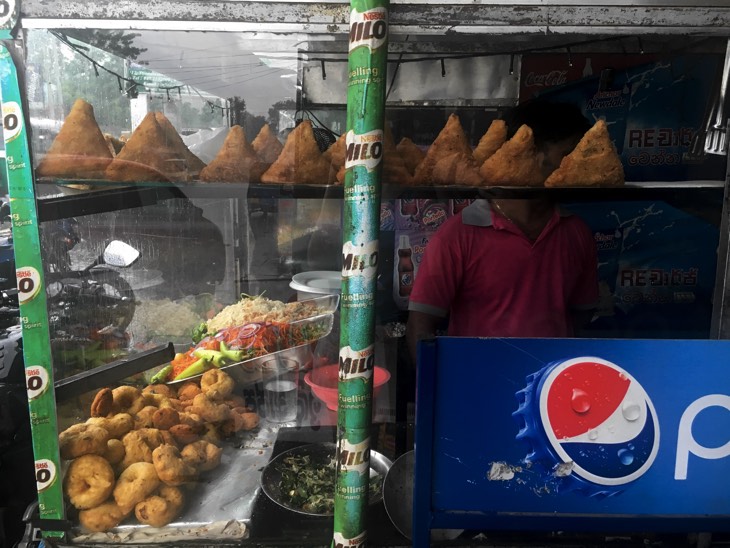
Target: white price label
<point>29,283</point>
<point>36,381</point>
<point>45,474</point>
<point>12,119</point>
<point>7,8</point>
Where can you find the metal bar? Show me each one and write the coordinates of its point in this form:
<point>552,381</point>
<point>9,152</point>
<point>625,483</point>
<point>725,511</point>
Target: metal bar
<point>111,373</point>
<point>427,360</point>
<point>413,18</point>
<point>720,325</point>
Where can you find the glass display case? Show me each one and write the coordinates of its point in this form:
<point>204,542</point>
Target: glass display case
<point>188,165</point>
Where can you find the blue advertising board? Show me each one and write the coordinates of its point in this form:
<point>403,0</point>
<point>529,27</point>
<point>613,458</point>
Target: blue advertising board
<point>653,110</point>
<point>572,434</point>
<point>656,267</point>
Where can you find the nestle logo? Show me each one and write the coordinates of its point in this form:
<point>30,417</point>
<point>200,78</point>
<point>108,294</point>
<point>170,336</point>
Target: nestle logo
<point>552,78</point>
<point>373,15</point>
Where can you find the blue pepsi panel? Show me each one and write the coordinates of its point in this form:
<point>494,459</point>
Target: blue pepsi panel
<point>578,427</point>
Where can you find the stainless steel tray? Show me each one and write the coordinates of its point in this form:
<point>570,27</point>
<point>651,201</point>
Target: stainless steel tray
<point>248,372</point>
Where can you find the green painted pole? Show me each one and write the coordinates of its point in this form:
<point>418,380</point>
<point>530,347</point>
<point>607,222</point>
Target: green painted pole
<point>367,65</point>
<point>31,296</point>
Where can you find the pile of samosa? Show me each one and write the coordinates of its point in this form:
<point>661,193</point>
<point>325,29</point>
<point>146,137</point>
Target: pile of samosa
<point>156,152</point>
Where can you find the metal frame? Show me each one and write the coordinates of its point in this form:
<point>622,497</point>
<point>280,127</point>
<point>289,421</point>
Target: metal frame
<point>414,17</point>
<point>720,327</point>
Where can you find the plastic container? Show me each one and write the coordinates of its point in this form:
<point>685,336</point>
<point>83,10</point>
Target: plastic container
<point>316,283</point>
<point>325,387</point>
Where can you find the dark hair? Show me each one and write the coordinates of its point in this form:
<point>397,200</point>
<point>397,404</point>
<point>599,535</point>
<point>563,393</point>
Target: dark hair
<point>550,122</point>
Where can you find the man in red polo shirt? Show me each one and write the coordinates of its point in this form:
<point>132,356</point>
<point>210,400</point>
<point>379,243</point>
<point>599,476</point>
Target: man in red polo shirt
<point>508,267</point>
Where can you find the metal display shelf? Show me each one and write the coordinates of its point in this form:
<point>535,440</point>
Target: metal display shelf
<point>709,17</point>
<point>112,198</point>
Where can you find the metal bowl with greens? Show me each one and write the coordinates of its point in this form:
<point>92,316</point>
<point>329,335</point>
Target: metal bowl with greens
<point>303,479</point>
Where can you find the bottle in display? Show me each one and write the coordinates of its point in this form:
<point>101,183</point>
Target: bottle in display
<point>405,266</point>
<point>409,207</point>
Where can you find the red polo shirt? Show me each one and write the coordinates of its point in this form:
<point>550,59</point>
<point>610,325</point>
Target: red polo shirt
<point>490,280</point>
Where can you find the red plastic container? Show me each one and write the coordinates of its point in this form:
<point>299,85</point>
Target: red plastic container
<point>323,382</point>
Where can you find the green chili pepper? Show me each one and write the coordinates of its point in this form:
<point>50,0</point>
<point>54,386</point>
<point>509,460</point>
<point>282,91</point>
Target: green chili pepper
<point>196,368</point>
<point>212,356</point>
<point>233,355</point>
<point>161,375</point>
<point>200,332</point>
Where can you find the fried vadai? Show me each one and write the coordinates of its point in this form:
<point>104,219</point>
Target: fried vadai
<point>161,389</point>
<point>139,444</point>
<point>216,384</point>
<point>102,404</point>
<point>240,419</point>
<point>170,466</point>
<point>82,439</point>
<point>192,420</point>
<point>169,438</point>
<point>117,425</point>
<point>211,434</point>
<point>188,391</point>
<point>185,433</point>
<point>135,484</point>
<point>202,455</point>
<point>143,418</point>
<point>165,418</point>
<point>156,400</point>
<point>103,517</point>
<point>114,451</point>
<point>89,481</point>
<point>127,399</point>
<point>235,401</point>
<point>160,509</point>
<point>209,410</point>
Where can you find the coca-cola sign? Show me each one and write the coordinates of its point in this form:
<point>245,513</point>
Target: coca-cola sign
<point>548,79</point>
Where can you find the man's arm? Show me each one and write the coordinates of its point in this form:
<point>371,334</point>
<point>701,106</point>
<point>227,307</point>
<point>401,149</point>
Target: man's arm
<point>421,325</point>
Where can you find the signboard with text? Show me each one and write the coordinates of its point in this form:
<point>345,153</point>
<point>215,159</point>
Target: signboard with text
<point>581,434</point>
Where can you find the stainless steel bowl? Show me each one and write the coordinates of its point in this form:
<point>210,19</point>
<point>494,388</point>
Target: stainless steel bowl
<point>320,453</point>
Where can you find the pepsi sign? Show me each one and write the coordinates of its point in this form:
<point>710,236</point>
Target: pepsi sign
<point>574,429</point>
<point>592,414</point>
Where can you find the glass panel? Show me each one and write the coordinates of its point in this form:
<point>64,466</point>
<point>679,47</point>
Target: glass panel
<point>251,267</point>
<point>225,217</point>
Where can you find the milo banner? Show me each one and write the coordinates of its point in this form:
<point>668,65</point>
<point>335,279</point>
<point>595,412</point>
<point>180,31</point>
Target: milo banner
<point>8,18</point>
<point>31,295</point>
<point>368,53</point>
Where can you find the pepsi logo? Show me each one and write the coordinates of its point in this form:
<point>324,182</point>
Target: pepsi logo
<point>599,418</point>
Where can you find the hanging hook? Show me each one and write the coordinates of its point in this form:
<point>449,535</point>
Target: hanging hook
<point>443,68</point>
<point>512,63</point>
<point>167,91</point>
<point>119,83</point>
<point>324,72</point>
<point>570,58</point>
<point>96,69</point>
<point>641,46</point>
<point>179,93</point>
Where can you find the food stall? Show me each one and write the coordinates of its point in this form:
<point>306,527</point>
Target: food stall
<point>181,187</point>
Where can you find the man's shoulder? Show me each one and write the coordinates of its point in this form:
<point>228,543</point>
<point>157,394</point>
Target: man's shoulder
<point>575,229</point>
<point>573,221</point>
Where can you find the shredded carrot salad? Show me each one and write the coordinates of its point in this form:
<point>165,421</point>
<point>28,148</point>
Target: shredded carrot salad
<point>251,340</point>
